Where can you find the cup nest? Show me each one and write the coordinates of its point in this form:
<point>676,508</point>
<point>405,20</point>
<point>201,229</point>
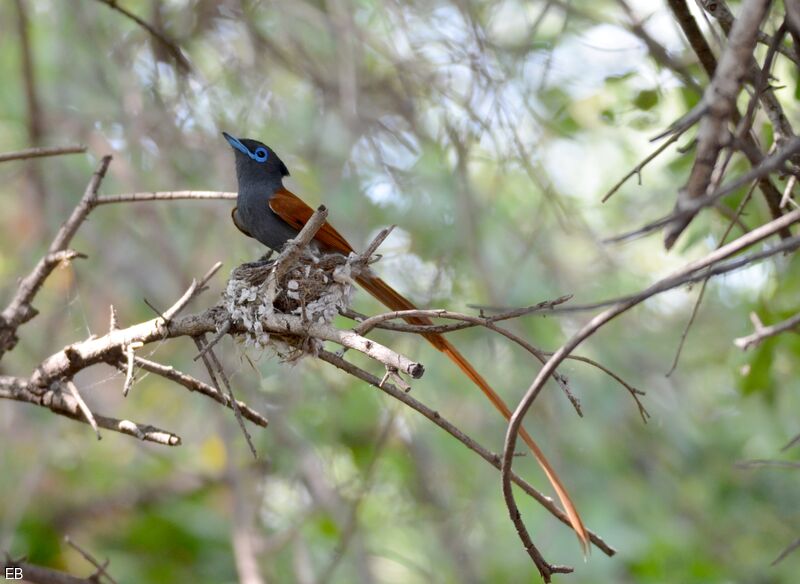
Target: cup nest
<point>316,287</point>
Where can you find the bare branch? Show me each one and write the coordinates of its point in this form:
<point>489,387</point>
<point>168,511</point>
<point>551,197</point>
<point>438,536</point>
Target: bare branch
<point>22,390</point>
<point>763,333</point>
<point>719,10</point>
<point>39,575</point>
<point>192,384</point>
<point>82,210</point>
<point>42,152</point>
<point>768,165</point>
<point>720,101</point>
<point>454,431</point>
<point>637,170</point>
<point>214,368</point>
<point>170,45</point>
<point>696,308</point>
<point>19,309</point>
<point>101,568</point>
<point>786,551</point>
<point>166,196</point>
<point>294,247</point>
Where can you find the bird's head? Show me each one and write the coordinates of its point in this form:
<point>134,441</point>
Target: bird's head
<point>255,160</point>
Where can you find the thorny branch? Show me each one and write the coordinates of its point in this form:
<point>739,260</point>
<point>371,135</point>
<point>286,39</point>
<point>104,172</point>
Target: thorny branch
<point>718,105</point>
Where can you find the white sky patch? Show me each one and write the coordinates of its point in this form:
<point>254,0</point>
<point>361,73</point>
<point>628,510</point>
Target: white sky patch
<point>677,300</point>
<point>749,282</point>
<point>509,22</point>
<point>581,64</point>
<point>661,26</point>
<point>580,169</point>
<point>384,192</point>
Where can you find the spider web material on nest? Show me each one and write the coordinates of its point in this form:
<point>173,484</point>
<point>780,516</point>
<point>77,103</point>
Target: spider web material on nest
<point>316,287</point>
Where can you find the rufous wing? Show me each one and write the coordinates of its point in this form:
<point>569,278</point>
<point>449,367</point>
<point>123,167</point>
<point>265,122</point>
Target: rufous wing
<point>296,213</point>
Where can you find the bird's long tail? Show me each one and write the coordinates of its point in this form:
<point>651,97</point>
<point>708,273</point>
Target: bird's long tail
<point>395,301</point>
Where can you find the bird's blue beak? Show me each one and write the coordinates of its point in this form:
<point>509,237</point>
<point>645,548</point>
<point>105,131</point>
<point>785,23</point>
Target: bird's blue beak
<point>236,144</point>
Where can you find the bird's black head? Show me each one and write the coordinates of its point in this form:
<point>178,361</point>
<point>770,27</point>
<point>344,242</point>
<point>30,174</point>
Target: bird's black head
<point>256,161</point>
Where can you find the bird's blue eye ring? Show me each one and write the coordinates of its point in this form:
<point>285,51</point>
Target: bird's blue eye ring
<point>260,154</point>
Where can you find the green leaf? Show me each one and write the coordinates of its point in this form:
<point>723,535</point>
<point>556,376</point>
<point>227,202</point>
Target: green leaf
<point>646,99</point>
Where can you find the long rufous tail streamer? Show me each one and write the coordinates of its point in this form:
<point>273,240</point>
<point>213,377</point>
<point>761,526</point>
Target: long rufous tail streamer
<point>295,212</point>
<point>394,301</point>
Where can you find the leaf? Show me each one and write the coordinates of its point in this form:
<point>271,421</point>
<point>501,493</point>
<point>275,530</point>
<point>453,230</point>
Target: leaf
<point>646,99</point>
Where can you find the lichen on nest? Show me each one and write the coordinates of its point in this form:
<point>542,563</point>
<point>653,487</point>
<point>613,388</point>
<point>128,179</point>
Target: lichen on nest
<point>317,287</point>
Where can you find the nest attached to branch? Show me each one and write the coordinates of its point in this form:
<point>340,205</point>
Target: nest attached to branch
<point>316,287</point>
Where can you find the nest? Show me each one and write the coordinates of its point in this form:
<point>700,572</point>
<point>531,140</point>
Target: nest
<point>316,287</point>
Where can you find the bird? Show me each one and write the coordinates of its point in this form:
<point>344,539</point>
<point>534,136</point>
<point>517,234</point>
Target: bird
<point>268,212</point>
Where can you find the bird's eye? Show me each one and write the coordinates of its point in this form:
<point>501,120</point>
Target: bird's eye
<point>261,154</point>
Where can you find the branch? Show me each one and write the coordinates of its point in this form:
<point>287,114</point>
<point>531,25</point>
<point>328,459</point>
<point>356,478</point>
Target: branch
<point>719,102</point>
<point>42,152</point>
<point>166,196</point>
<point>435,417</point>
<point>768,165</point>
<point>19,309</point>
<point>111,346</point>
<point>772,107</point>
<point>719,10</point>
<point>67,231</point>
<point>192,384</point>
<point>23,390</point>
<point>101,568</point>
<point>693,271</point>
<point>171,46</point>
<point>637,170</point>
<point>214,368</point>
<point>762,332</point>
<point>39,575</point>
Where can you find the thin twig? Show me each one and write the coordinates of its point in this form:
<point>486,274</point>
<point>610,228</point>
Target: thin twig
<point>171,46</point>
<point>101,568</point>
<point>637,170</point>
<point>214,368</point>
<point>704,285</point>
<point>193,384</point>
<point>786,551</point>
<point>763,333</point>
<point>87,413</point>
<point>223,330</point>
<point>66,405</point>
<point>194,289</point>
<point>42,152</point>
<point>166,196</point>
<point>774,162</point>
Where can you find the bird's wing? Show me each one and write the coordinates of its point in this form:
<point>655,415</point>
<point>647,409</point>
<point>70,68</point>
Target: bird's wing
<point>236,222</point>
<point>296,213</point>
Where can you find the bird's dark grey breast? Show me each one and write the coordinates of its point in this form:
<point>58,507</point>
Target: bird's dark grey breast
<point>259,220</point>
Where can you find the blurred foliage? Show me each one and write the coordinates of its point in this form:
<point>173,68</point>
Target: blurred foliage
<point>488,132</point>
